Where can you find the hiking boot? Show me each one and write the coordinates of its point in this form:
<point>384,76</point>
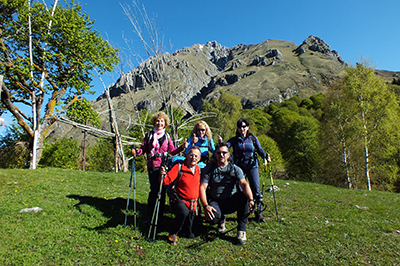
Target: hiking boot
<point>173,239</point>
<point>260,218</point>
<point>221,227</point>
<point>241,237</point>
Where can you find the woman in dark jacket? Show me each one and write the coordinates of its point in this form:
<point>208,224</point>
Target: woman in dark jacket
<point>245,145</point>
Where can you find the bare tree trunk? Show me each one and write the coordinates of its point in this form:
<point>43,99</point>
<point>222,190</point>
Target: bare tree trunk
<point>346,164</point>
<point>84,147</point>
<point>367,168</point>
<point>120,161</point>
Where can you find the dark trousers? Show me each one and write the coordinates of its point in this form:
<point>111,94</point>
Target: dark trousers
<point>184,218</point>
<point>254,181</point>
<point>236,203</point>
<point>153,195</point>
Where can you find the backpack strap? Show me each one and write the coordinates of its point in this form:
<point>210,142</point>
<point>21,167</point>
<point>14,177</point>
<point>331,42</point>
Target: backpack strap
<point>253,138</point>
<point>178,178</point>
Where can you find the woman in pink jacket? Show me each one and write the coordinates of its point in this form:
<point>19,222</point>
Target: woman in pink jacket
<point>156,145</point>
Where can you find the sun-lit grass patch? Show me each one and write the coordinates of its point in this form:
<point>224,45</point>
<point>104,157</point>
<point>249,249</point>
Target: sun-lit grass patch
<point>83,215</point>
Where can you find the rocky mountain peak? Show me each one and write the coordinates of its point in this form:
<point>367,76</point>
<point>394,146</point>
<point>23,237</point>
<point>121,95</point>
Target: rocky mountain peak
<point>316,44</point>
<point>259,74</point>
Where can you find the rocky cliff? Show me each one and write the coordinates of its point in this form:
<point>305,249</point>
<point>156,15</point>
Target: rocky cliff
<point>259,74</point>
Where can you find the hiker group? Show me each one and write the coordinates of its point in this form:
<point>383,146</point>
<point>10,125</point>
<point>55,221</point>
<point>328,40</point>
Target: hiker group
<point>214,184</point>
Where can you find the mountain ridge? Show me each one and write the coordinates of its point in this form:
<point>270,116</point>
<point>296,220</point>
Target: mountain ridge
<point>271,71</point>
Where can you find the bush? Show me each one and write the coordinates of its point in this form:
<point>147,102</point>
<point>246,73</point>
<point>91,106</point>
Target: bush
<point>14,148</point>
<point>101,157</point>
<point>63,153</point>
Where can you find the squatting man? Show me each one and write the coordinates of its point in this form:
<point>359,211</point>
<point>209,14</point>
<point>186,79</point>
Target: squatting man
<point>220,183</point>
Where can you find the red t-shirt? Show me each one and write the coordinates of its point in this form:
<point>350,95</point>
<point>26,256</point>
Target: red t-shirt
<point>189,185</point>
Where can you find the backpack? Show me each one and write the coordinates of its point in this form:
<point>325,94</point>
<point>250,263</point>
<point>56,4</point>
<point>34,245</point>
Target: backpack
<point>240,159</point>
<point>171,187</point>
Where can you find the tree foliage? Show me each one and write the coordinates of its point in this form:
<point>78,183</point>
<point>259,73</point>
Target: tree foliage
<point>374,106</point>
<point>14,147</point>
<point>81,110</point>
<point>227,107</point>
<point>360,130</point>
<point>47,56</point>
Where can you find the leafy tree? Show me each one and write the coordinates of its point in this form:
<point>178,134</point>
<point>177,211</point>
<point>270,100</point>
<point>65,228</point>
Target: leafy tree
<point>282,121</point>
<point>374,106</point>
<point>47,56</point>
<point>306,103</point>
<point>271,147</point>
<point>81,110</point>
<point>303,156</point>
<point>337,139</point>
<point>227,107</point>
<point>291,105</point>
<point>318,100</point>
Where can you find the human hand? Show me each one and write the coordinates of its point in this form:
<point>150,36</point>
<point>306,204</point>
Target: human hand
<point>195,139</point>
<point>268,158</point>
<point>185,144</point>
<point>251,206</point>
<point>219,139</point>
<point>209,212</point>
<point>163,170</point>
<point>134,152</point>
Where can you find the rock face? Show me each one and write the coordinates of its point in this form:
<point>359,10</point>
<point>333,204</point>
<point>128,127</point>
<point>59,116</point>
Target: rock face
<point>259,74</point>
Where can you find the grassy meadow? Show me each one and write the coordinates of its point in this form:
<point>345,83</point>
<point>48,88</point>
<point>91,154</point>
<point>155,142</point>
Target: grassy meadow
<point>83,216</point>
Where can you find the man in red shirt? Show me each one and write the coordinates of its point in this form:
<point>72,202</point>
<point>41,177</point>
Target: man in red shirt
<point>186,179</point>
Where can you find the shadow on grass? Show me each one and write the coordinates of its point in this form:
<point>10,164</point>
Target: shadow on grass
<point>114,209</point>
<point>208,234</point>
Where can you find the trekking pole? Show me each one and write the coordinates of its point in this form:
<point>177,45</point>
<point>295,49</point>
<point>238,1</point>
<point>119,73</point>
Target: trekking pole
<point>262,205</point>
<point>129,193</point>
<point>154,218</point>
<point>134,192</point>
<point>273,189</point>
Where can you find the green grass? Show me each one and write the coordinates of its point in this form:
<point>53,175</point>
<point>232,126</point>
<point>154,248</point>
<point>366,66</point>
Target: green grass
<point>83,216</point>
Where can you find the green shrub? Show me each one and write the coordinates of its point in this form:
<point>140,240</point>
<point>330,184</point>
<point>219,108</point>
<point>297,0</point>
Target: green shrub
<point>306,103</point>
<point>101,157</point>
<point>63,153</point>
<point>14,148</point>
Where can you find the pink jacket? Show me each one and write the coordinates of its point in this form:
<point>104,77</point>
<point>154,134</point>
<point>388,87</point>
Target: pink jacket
<point>166,146</point>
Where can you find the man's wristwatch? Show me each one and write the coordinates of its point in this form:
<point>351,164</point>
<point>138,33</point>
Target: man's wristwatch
<point>252,200</point>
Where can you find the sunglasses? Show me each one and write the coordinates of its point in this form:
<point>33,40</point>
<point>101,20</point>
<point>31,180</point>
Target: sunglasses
<point>243,126</point>
<point>222,152</point>
<point>201,129</point>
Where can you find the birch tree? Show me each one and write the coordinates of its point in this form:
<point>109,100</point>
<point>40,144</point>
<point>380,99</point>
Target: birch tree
<point>372,103</point>
<point>46,57</point>
<point>337,133</point>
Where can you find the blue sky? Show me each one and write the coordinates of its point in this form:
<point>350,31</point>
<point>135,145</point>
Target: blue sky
<point>354,28</point>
